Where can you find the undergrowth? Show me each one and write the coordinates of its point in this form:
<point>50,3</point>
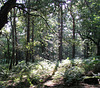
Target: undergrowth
<point>34,73</point>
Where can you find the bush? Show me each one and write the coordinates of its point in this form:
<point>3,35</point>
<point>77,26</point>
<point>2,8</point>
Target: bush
<point>73,75</point>
<point>77,62</point>
<point>4,71</point>
<point>92,65</point>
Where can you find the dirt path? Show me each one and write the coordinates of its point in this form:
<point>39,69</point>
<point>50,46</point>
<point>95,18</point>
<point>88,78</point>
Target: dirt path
<point>51,84</point>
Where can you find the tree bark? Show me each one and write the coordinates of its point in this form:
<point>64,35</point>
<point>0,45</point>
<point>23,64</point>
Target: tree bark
<point>33,41</point>
<point>13,46</point>
<point>73,20</point>
<point>4,12</point>
<point>16,50</point>
<point>8,49</point>
<point>87,50</point>
<point>73,47</point>
<point>60,20</point>
<point>73,37</point>
<point>98,49</point>
<point>28,31</point>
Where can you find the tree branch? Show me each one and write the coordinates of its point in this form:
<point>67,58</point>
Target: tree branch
<point>88,5</point>
<point>22,6</point>
<point>92,39</point>
<point>34,15</point>
<point>8,6</point>
<point>82,36</point>
<point>4,12</point>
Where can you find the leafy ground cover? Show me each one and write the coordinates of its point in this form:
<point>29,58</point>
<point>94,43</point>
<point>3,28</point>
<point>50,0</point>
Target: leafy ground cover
<point>50,74</point>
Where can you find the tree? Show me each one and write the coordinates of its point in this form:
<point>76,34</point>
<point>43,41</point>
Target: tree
<point>28,31</point>
<point>4,12</point>
<point>8,48</point>
<point>60,27</point>
<point>33,41</point>
<point>14,38</point>
<point>90,21</point>
<point>16,41</point>
<point>70,8</point>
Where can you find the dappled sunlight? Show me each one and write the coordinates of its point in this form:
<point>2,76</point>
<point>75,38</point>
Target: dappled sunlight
<point>47,64</point>
<point>49,43</point>
<point>78,62</point>
<point>69,71</point>
<point>65,63</point>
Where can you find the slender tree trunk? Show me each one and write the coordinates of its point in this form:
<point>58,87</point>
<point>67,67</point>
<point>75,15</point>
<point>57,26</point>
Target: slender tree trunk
<point>13,37</point>
<point>13,46</point>
<point>60,20</point>
<point>8,49</point>
<point>87,50</point>
<point>28,32</point>
<point>73,20</point>
<point>73,47</point>
<point>84,50</point>
<point>16,51</point>
<point>98,49</point>
<point>33,41</point>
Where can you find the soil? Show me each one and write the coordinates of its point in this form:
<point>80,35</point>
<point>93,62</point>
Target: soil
<point>51,84</point>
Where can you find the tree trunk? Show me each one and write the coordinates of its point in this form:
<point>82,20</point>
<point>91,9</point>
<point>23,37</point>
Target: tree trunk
<point>87,50</point>
<point>73,20</point>
<point>16,51</point>
<point>8,49</point>
<point>13,46</point>
<point>60,20</point>
<point>33,41</point>
<point>4,12</point>
<point>98,49</point>
<point>73,47</point>
<point>28,32</point>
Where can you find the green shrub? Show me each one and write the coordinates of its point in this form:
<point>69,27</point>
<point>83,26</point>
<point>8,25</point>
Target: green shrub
<point>73,75</point>
<point>92,65</point>
<point>4,71</point>
<point>77,62</point>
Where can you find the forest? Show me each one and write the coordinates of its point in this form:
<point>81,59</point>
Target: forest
<point>49,43</point>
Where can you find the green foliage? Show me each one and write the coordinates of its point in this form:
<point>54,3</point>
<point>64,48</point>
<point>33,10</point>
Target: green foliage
<point>74,70</point>
<point>91,64</point>
<point>44,21</point>
<point>77,62</point>
<point>90,20</point>
<point>4,71</point>
<point>73,75</point>
<point>33,73</point>
<point>63,65</point>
